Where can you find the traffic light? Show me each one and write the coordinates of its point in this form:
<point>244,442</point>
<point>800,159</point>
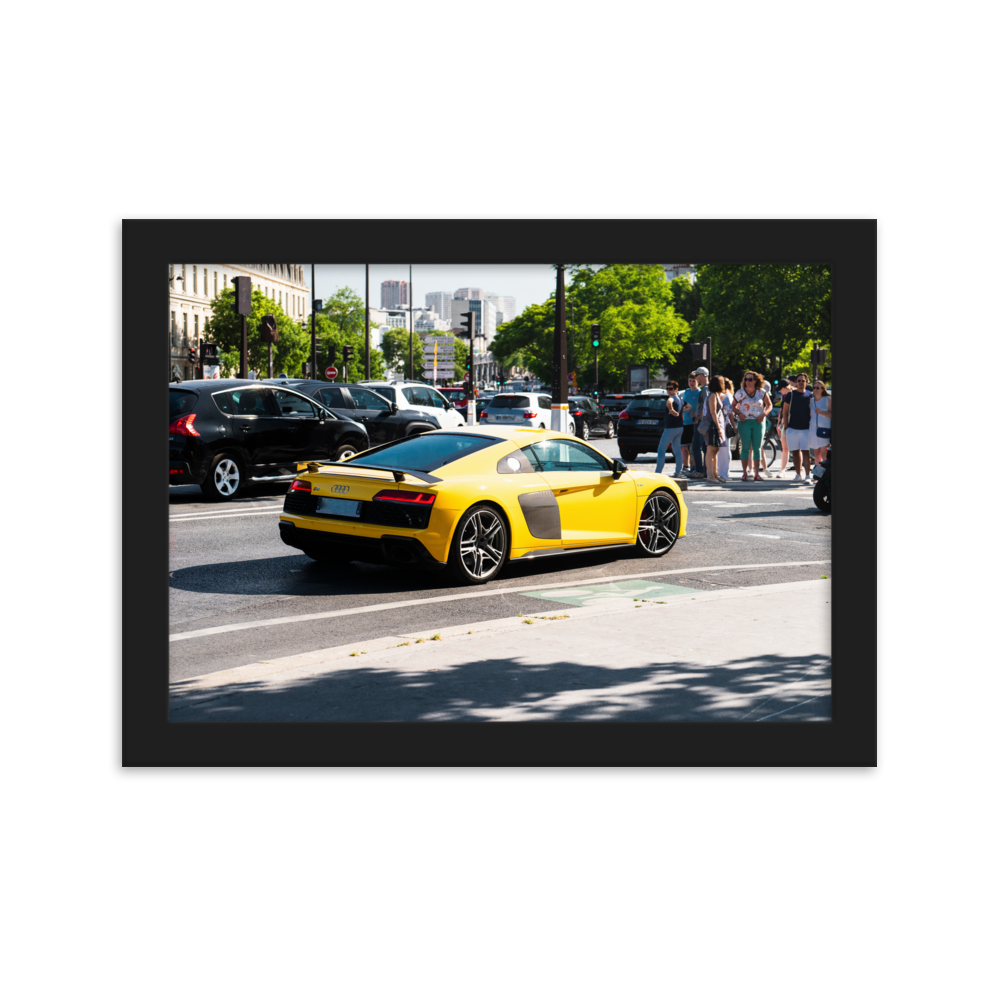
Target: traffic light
<point>192,356</point>
<point>317,305</point>
<point>595,335</point>
<point>243,289</point>
<point>467,325</point>
<point>348,354</point>
<point>209,354</point>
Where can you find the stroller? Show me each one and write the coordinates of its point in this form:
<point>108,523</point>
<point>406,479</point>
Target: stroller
<point>821,491</point>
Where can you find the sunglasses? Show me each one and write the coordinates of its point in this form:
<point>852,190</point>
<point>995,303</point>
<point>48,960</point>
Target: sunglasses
<point>749,381</point>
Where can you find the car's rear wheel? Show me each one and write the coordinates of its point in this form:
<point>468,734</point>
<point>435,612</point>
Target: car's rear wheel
<point>610,432</point>
<point>479,548</point>
<point>628,454</point>
<point>585,431</point>
<point>659,524</point>
<point>225,478</point>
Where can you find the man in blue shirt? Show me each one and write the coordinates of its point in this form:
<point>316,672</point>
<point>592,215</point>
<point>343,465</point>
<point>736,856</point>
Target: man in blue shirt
<point>689,400</point>
<point>697,441</point>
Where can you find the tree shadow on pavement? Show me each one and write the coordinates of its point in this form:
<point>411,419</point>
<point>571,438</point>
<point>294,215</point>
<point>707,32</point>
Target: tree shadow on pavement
<point>755,689</point>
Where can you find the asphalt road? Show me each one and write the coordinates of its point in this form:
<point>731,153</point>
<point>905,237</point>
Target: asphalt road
<point>229,567</point>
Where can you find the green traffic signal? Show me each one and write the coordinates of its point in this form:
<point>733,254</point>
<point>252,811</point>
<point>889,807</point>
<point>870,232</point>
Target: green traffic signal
<point>596,342</point>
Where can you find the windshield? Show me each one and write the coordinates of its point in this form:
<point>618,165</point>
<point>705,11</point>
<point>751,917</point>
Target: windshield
<point>648,404</point>
<point>509,403</point>
<point>426,452</point>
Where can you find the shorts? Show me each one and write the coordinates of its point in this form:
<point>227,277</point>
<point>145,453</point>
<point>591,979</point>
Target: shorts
<point>687,434</point>
<point>797,440</point>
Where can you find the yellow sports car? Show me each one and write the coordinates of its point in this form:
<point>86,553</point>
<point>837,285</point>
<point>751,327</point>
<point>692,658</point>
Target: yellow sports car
<point>470,499</point>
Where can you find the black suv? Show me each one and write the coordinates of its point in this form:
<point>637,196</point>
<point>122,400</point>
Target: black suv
<point>225,433</point>
<point>641,424</point>
<point>383,420</point>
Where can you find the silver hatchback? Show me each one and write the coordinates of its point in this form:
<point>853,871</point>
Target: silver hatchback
<point>521,409</point>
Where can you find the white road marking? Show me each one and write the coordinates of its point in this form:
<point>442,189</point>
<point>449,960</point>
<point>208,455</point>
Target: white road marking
<point>212,517</point>
<point>751,534</point>
<point>291,619</point>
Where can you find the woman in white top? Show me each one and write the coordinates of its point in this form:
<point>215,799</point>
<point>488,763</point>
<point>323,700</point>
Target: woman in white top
<point>752,407</point>
<point>821,411</point>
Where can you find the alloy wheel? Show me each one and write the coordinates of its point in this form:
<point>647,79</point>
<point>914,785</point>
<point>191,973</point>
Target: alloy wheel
<point>482,544</point>
<point>659,524</point>
<point>227,477</point>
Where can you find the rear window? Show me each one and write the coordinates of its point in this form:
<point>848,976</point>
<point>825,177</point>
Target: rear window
<point>426,452</point>
<point>510,403</point>
<point>648,404</point>
<point>181,402</point>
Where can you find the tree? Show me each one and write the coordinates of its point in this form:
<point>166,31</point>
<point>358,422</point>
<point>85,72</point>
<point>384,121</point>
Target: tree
<point>294,341</point>
<point>396,350</point>
<point>760,314</point>
<point>224,329</point>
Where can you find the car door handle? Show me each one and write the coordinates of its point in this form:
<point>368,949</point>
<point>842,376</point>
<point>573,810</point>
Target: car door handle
<point>244,428</point>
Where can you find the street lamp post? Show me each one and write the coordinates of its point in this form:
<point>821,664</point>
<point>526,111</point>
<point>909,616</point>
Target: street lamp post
<point>560,402</point>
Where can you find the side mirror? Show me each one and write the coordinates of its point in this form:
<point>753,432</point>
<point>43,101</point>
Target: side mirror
<point>620,467</point>
<point>393,408</point>
<point>447,405</point>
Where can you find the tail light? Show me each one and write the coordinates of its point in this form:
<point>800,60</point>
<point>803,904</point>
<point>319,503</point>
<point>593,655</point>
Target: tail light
<point>530,414</point>
<point>624,415</point>
<point>184,426</point>
<point>301,484</point>
<point>405,496</point>
<point>578,413</point>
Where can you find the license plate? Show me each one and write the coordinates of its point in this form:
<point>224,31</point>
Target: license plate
<point>342,508</point>
<point>647,421</point>
<point>503,417</point>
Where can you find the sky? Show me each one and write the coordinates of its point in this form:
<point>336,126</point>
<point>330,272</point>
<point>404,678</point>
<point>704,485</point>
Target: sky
<point>528,283</point>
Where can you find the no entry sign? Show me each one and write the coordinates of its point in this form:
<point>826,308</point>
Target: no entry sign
<point>331,372</point>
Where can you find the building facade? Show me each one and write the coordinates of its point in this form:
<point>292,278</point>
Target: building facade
<point>193,287</point>
<point>484,319</point>
<point>676,270</point>
<point>395,294</point>
<point>440,302</point>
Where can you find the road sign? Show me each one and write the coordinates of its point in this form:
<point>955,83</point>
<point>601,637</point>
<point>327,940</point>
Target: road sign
<point>441,373</point>
<point>439,340</point>
<point>331,372</point>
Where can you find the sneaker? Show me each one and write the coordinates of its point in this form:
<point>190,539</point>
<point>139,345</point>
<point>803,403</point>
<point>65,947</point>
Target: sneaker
<point>798,478</point>
<point>765,473</point>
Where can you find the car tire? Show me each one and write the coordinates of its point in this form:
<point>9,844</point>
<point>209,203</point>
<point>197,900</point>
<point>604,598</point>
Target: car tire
<point>659,524</point>
<point>821,493</point>
<point>627,454</point>
<point>480,546</point>
<point>585,431</point>
<point>610,432</point>
<point>225,480</point>
<point>345,451</point>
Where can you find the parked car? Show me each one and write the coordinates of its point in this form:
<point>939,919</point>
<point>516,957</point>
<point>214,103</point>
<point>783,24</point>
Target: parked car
<point>475,499</point>
<point>418,396</point>
<point>522,409</point>
<point>225,433</point>
<point>588,418</point>
<point>611,404</point>
<point>459,398</point>
<point>383,420</point>
<point>640,425</point>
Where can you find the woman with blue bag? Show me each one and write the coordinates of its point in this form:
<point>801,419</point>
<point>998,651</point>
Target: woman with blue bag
<point>821,407</point>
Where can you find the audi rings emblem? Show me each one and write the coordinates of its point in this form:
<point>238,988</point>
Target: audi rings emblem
<point>342,489</point>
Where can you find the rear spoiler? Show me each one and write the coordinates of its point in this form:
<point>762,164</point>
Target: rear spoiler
<point>399,475</point>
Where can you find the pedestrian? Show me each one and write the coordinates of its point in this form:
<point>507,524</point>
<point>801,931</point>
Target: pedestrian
<point>783,388</point>
<point>715,434</point>
<point>697,438</point>
<point>728,422</point>
<point>689,402</point>
<point>752,407</point>
<point>819,423</point>
<point>796,412</point>
<point>672,431</point>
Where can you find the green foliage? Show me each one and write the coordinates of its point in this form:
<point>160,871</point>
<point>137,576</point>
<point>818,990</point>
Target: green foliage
<point>760,314</point>
<point>294,342</point>
<point>396,351</point>
<point>639,325</point>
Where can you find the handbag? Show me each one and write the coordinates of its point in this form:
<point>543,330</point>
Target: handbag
<point>821,432</point>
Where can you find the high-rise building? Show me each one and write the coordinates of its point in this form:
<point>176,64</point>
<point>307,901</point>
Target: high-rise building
<point>484,319</point>
<point>469,293</point>
<point>395,294</point>
<point>440,302</point>
<point>505,306</point>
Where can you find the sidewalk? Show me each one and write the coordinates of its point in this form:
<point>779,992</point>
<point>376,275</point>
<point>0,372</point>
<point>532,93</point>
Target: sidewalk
<point>735,480</point>
<point>751,654</point>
